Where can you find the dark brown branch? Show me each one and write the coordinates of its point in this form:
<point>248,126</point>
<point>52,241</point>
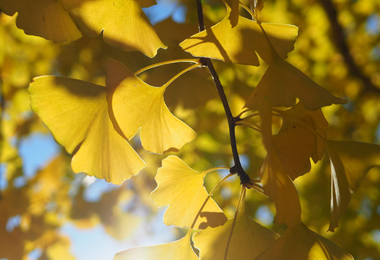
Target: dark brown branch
<point>201,22</point>
<point>339,40</point>
<point>237,168</point>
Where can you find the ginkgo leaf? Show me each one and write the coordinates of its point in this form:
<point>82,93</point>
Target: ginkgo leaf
<point>180,249</point>
<point>45,18</point>
<point>239,43</point>
<point>124,24</point>
<point>248,239</point>
<point>182,189</point>
<point>276,183</point>
<point>298,139</point>
<point>279,187</point>
<point>299,242</point>
<point>135,104</point>
<point>76,113</point>
<point>350,161</point>
<point>282,84</point>
<point>294,147</point>
<point>314,119</point>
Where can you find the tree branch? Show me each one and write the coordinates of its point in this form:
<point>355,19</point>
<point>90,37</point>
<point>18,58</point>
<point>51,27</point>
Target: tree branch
<point>237,168</point>
<point>339,39</point>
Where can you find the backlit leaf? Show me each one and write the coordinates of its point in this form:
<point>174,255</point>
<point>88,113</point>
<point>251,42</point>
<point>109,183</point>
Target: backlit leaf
<point>45,18</point>
<point>123,23</point>
<point>135,104</point>
<point>248,239</point>
<point>279,187</point>
<point>182,189</point>
<point>239,44</point>
<point>299,242</point>
<point>296,142</point>
<point>282,84</point>
<point>277,184</point>
<point>180,249</point>
<point>76,113</point>
<point>350,162</point>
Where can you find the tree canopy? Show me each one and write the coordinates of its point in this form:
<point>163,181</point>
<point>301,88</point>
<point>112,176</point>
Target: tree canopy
<point>252,126</point>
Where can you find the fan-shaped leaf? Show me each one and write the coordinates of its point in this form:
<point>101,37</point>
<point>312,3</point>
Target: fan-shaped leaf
<point>282,84</point>
<point>182,189</point>
<point>180,249</point>
<point>135,104</point>
<point>124,24</point>
<point>299,242</point>
<point>45,18</point>
<point>296,143</point>
<point>76,113</point>
<point>239,44</point>
<point>248,239</point>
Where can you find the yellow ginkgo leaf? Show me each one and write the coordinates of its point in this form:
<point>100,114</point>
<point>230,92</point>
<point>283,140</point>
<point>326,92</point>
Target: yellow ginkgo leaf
<point>135,104</point>
<point>239,43</point>
<point>298,139</point>
<point>76,113</point>
<point>248,239</point>
<point>45,18</point>
<point>276,183</point>
<point>282,84</point>
<point>350,161</point>
<point>124,24</point>
<point>180,249</point>
<point>182,189</point>
<point>299,242</point>
<point>279,187</point>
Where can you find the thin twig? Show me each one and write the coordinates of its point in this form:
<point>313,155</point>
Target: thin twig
<point>237,168</point>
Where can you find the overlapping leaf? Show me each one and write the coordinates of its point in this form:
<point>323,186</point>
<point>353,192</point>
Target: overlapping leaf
<point>124,24</point>
<point>182,189</point>
<point>299,242</point>
<point>239,43</point>
<point>277,184</point>
<point>279,187</point>
<point>248,239</point>
<point>76,114</point>
<point>282,84</point>
<point>135,104</point>
<point>298,141</point>
<point>350,161</point>
<point>45,18</point>
<point>180,249</point>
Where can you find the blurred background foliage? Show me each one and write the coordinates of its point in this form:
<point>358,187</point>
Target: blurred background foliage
<point>44,207</point>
